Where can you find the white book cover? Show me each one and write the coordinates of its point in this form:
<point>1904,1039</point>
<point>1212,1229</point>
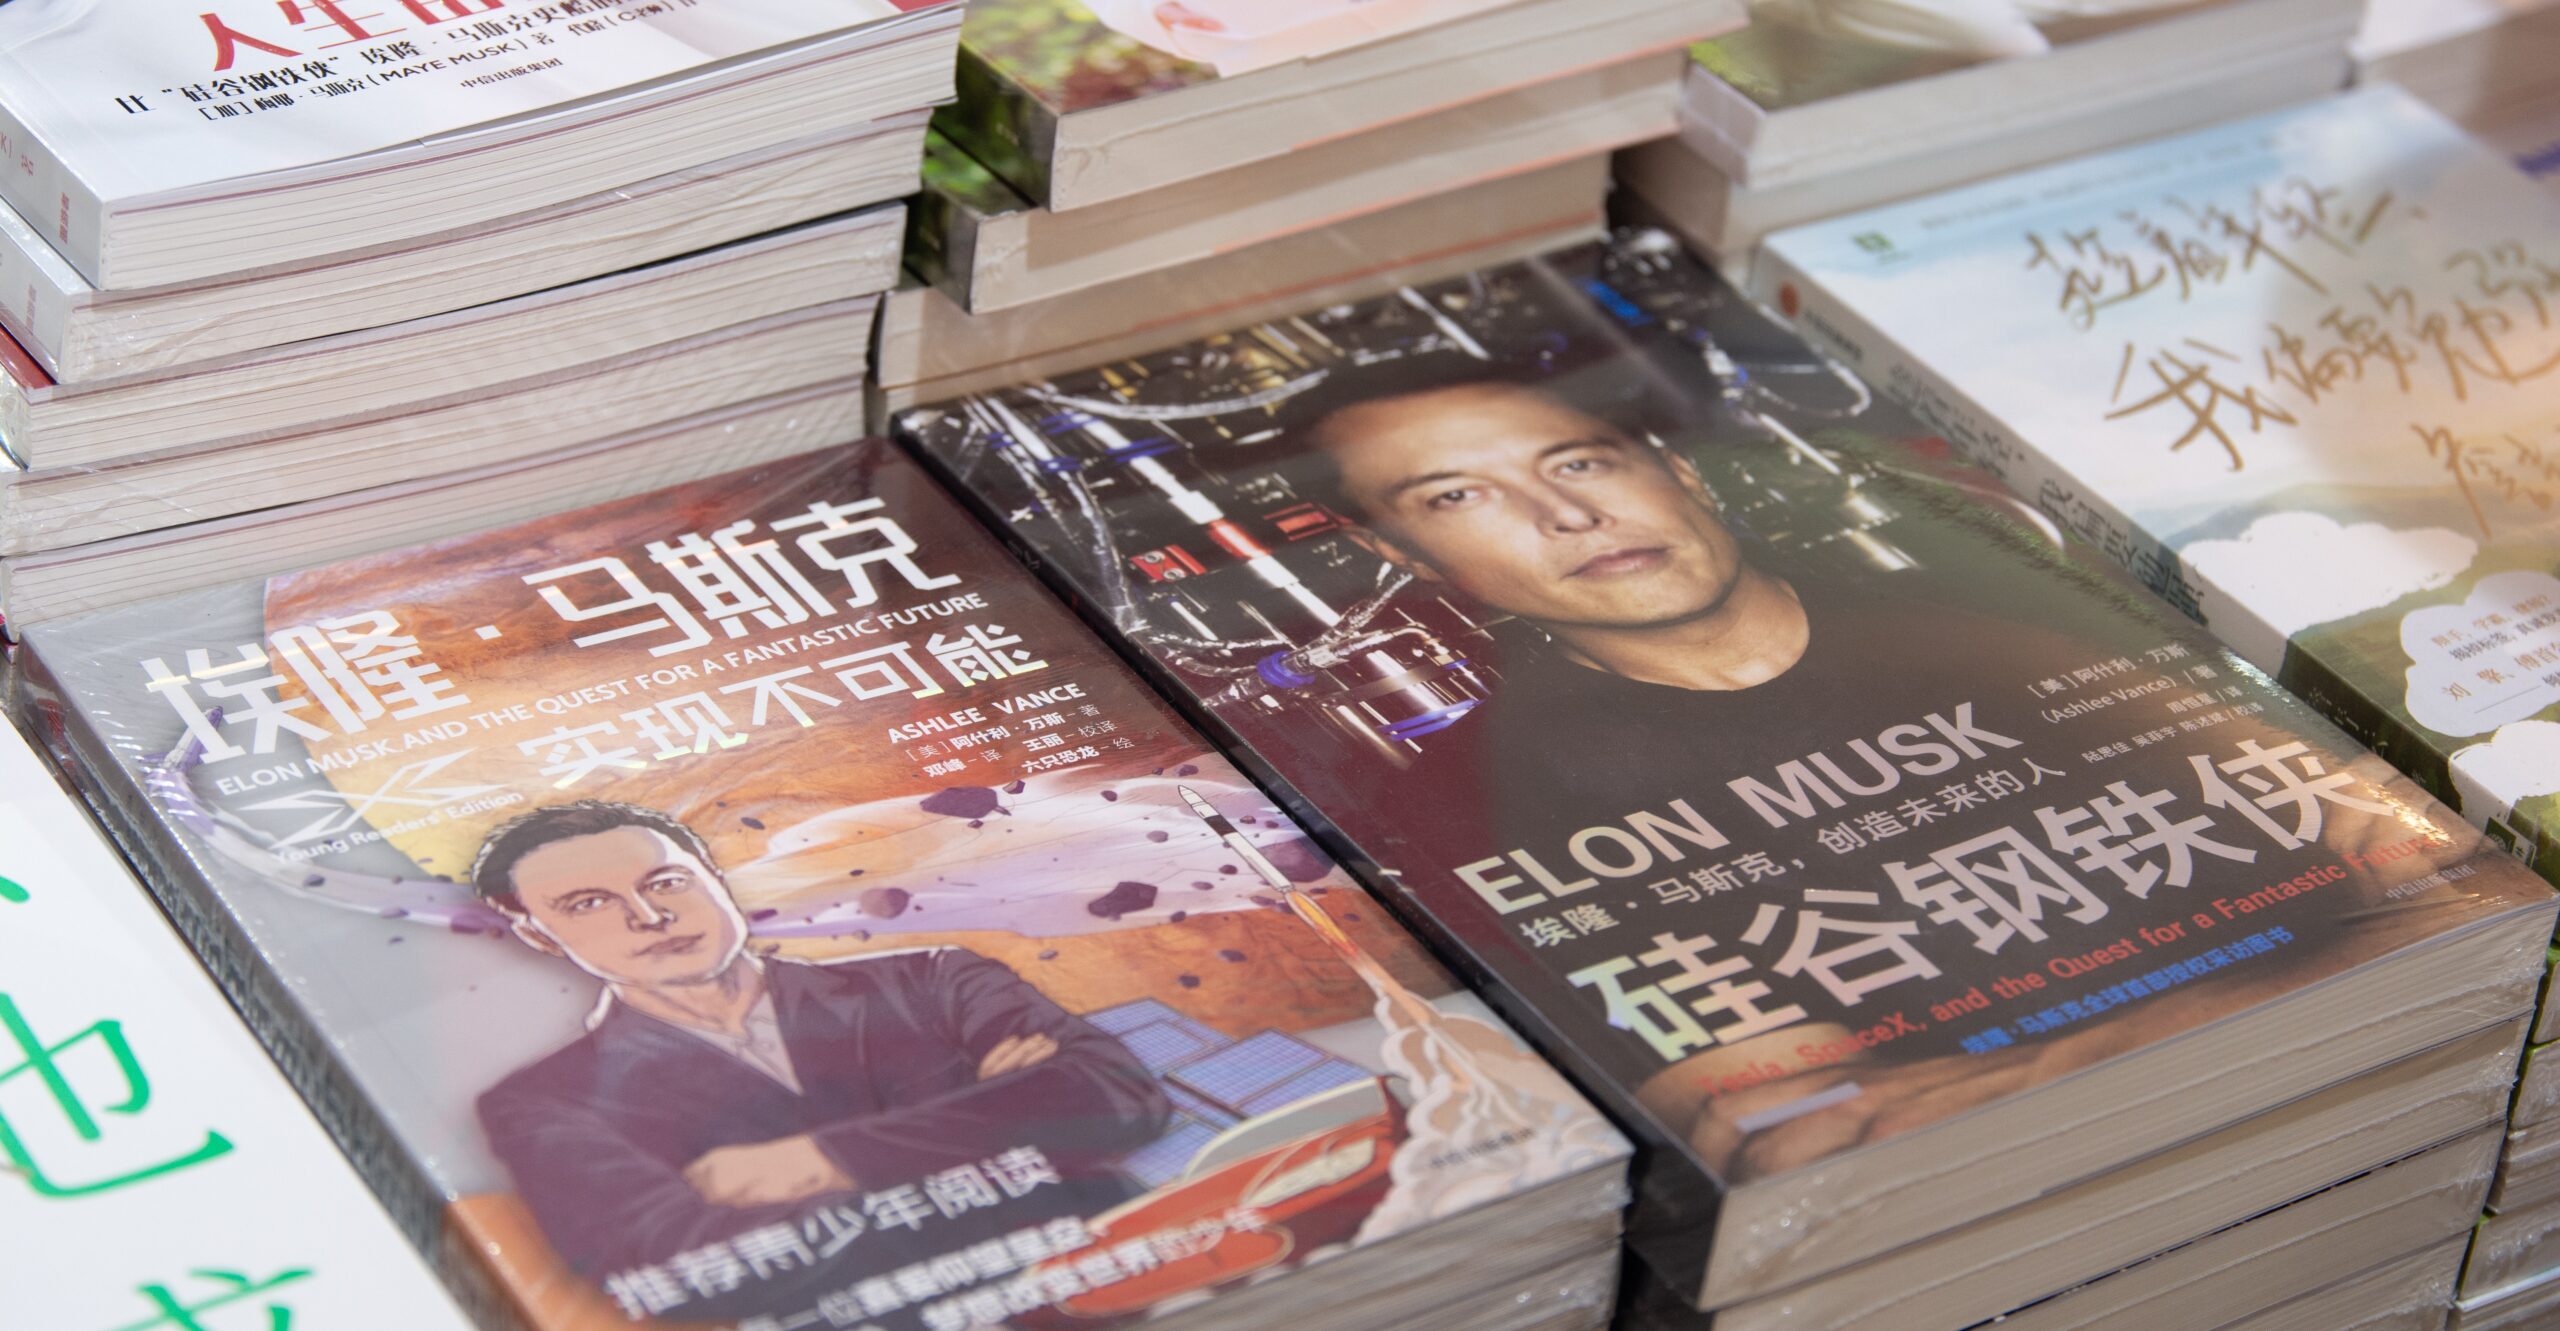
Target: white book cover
<point>154,1167</point>
<point>2302,371</point>
<point>138,98</point>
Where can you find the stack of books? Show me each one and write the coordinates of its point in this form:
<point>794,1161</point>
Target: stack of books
<point>1822,107</point>
<point>2478,61</point>
<point>1121,175</point>
<point>759,903</point>
<point>1952,924</point>
<point>2296,372</point>
<point>459,257</point>
<point>2532,140</point>
<point>2512,1277</point>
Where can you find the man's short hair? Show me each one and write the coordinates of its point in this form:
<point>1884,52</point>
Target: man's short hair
<point>493,872</point>
<point>1625,392</point>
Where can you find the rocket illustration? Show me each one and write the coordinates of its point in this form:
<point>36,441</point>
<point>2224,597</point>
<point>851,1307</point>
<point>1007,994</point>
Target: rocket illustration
<point>1307,909</point>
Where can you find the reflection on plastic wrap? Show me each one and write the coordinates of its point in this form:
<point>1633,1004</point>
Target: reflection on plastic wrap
<point>81,333</point>
<point>1205,573</point>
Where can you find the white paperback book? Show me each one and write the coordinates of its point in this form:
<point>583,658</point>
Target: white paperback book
<point>154,1166</point>
<point>2299,372</point>
<point>156,141</point>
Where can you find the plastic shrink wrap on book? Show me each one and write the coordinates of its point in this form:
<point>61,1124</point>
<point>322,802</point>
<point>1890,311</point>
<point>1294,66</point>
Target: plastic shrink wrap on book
<point>415,365</point>
<point>1081,104</point>
<point>2323,428</point>
<point>75,332</point>
<point>153,1165</point>
<point>962,983</point>
<point>1376,548</point>
<point>46,508</point>
<point>931,347</point>
<point>160,143</point>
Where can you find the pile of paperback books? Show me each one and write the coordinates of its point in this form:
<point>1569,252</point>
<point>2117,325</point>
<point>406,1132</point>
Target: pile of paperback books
<point>1952,923</point>
<point>185,1117</point>
<point>1125,174</point>
<point>2335,445</point>
<point>2479,61</point>
<point>794,916</point>
<point>1493,665</point>
<point>1823,106</point>
<point>276,272</point>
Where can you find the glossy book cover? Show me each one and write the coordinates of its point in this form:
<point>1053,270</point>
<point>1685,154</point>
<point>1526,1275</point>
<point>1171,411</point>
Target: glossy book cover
<point>1796,785</point>
<point>2298,371</point>
<point>1077,55</point>
<point>760,902</point>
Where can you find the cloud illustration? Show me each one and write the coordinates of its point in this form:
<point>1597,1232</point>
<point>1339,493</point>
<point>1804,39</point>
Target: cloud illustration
<point>2493,659</point>
<point>2292,571</point>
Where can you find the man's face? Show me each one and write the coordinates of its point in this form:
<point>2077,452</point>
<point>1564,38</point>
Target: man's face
<point>1533,508</point>
<point>630,907</point>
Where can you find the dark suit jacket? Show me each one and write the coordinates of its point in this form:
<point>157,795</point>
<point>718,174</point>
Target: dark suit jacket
<point>886,1050</point>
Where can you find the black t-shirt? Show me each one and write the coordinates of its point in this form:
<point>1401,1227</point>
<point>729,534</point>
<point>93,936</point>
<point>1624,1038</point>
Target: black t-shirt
<point>1865,832</point>
<point>1564,746</point>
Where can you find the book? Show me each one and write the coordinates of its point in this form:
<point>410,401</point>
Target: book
<point>2514,1248</point>
<point>2330,1240</point>
<point>77,333</point>
<point>1000,253</point>
<point>421,364</point>
<point>2010,1267</point>
<point>2532,139</point>
<point>2294,371</point>
<point>964,984</point>
<point>1845,923</point>
<point>144,566</point>
<point>1076,104</point>
<point>1725,218</point>
<point>1827,87</point>
<point>2382,1244</point>
<point>152,1160</point>
<point>930,348</point>
<point>2529,1172</point>
<point>158,144</point>
<point>52,507</point>
<point>2475,60</point>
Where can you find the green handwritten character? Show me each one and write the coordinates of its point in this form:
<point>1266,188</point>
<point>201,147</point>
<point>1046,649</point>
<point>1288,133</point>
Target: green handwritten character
<point>43,1062</point>
<point>11,892</point>
<point>231,1288</point>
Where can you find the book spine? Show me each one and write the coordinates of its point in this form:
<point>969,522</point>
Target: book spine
<point>266,1004</point>
<point>1002,124</point>
<point>51,197</point>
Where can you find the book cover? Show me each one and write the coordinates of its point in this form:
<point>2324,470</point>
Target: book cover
<point>1793,784</point>
<point>760,900</point>
<point>1799,51</point>
<point>2298,371</point>
<point>144,97</point>
<point>151,1158</point>
<point>1076,55</point>
<point>958,195</point>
